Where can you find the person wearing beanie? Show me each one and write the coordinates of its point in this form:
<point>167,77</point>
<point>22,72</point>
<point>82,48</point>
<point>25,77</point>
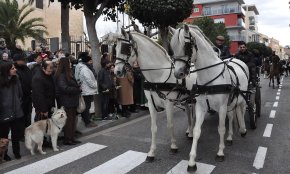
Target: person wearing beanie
<point>89,86</point>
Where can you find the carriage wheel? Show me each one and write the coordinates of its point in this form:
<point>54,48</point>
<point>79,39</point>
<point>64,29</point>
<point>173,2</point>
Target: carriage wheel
<point>252,112</point>
<point>258,101</point>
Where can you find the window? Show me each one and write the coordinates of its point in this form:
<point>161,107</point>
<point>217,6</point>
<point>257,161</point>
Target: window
<point>196,10</point>
<point>219,20</point>
<point>39,4</point>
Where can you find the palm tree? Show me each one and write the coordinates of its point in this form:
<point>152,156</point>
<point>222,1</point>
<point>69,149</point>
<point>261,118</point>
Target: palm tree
<point>15,24</point>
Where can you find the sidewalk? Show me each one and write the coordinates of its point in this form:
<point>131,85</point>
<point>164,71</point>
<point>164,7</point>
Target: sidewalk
<point>102,125</point>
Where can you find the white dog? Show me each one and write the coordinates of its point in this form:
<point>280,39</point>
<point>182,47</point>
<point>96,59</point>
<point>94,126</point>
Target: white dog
<point>35,132</point>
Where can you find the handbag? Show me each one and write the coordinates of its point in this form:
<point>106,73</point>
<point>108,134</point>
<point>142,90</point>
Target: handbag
<point>82,105</point>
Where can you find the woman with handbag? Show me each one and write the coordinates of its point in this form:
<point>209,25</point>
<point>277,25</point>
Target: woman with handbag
<point>67,92</point>
<point>10,107</point>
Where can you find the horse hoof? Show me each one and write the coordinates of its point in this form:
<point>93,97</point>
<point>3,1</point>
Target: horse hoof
<point>191,169</point>
<point>186,133</point>
<point>220,158</point>
<point>229,142</point>
<point>244,134</point>
<point>150,159</point>
<point>174,150</point>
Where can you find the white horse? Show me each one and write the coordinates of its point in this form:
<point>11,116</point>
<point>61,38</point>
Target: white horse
<point>156,67</point>
<point>190,45</point>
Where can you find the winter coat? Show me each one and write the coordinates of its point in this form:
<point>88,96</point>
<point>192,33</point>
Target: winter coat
<point>10,101</point>
<point>25,77</point>
<point>43,92</point>
<point>86,79</point>
<point>105,80</point>
<point>67,91</point>
<point>125,93</point>
<point>224,50</point>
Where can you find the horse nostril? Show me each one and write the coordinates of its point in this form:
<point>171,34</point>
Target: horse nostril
<point>181,74</point>
<point>118,72</point>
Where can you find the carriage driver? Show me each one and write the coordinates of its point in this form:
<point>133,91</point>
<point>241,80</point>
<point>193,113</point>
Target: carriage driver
<point>249,59</point>
<point>224,50</point>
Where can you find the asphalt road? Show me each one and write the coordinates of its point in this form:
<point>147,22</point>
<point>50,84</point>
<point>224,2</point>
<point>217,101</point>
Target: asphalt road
<point>123,148</point>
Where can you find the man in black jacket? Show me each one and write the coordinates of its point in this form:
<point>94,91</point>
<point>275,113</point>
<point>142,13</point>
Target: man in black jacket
<point>224,50</point>
<point>25,77</point>
<point>43,91</point>
<point>249,59</point>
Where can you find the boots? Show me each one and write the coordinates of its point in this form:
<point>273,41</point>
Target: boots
<point>16,149</point>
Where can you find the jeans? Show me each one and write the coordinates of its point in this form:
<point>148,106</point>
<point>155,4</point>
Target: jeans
<point>86,114</point>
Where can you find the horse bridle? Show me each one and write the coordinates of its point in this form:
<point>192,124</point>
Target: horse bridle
<point>126,50</point>
<point>188,50</point>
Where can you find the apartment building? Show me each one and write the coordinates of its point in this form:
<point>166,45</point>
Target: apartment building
<point>51,14</point>
<point>229,12</point>
<point>251,19</point>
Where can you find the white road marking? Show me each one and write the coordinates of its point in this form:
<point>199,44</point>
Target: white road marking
<point>279,90</point>
<point>272,114</point>
<point>56,161</point>
<point>268,130</point>
<point>121,164</point>
<point>278,93</point>
<point>181,168</point>
<point>260,157</point>
<point>277,97</point>
<point>275,104</point>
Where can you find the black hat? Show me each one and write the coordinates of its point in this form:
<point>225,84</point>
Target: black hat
<point>85,57</point>
<point>17,57</point>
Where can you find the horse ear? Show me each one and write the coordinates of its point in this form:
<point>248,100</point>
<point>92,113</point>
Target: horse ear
<point>172,30</point>
<point>186,28</point>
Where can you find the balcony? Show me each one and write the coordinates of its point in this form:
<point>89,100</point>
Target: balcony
<point>241,23</point>
<point>237,38</point>
<point>222,11</point>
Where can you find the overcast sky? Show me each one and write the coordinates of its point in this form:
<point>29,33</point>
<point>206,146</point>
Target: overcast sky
<point>274,19</point>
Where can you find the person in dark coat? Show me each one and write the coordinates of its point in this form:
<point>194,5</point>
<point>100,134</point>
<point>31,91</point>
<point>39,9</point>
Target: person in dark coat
<point>43,91</point>
<point>35,66</point>
<point>10,107</point>
<point>67,95</point>
<point>106,84</point>
<point>223,49</point>
<point>25,77</point>
<point>249,59</point>
<point>138,90</point>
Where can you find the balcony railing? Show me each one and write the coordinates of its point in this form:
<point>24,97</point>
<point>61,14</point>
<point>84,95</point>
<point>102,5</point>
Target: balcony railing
<point>237,38</point>
<point>221,11</point>
<point>241,23</point>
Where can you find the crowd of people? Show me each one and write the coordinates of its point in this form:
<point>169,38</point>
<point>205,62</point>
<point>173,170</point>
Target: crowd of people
<point>42,80</point>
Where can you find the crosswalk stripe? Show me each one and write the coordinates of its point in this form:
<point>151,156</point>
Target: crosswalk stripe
<point>56,161</point>
<point>181,168</point>
<point>120,164</point>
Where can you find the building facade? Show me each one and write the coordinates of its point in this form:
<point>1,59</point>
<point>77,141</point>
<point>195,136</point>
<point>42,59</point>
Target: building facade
<point>51,14</point>
<point>251,19</point>
<point>229,12</point>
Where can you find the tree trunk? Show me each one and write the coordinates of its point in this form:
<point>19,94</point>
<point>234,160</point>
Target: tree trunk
<point>163,33</point>
<point>95,51</point>
<point>65,37</point>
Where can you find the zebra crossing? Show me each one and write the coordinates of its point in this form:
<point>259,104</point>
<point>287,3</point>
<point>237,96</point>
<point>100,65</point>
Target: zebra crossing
<point>120,164</point>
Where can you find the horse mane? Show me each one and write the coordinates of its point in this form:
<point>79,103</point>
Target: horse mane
<point>156,44</point>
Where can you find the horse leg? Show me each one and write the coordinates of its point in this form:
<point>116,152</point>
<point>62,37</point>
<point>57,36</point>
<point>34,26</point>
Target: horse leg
<point>241,110</point>
<point>153,114</point>
<point>200,113</point>
<point>190,116</point>
<point>169,115</point>
<point>229,141</point>
<point>273,86</point>
<point>221,129</point>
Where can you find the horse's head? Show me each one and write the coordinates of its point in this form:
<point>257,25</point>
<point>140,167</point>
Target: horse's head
<point>126,54</point>
<point>184,47</point>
